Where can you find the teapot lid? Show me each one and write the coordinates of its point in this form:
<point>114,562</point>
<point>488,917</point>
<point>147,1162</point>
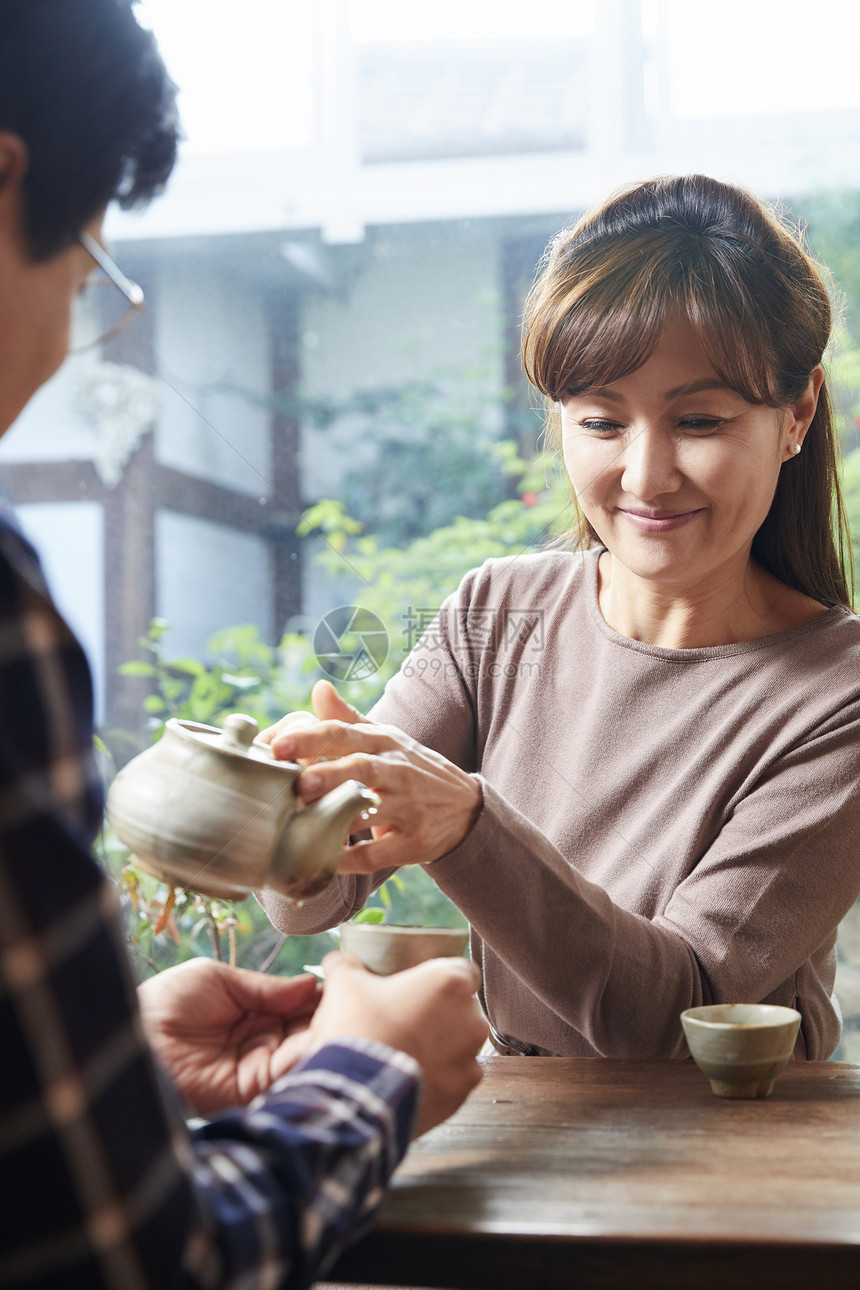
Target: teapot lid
<point>239,736</point>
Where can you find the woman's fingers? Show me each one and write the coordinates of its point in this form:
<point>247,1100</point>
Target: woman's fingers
<point>389,774</point>
<point>428,804</point>
<point>334,739</point>
<point>327,705</point>
<point>292,721</point>
<point>330,706</point>
<point>389,851</point>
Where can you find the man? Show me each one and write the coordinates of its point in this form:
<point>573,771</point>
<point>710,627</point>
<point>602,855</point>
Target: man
<point>309,1103</point>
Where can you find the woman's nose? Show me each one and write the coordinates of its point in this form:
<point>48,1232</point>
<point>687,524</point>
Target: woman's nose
<point>649,464</point>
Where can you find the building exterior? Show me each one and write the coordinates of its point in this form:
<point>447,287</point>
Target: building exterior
<point>165,475</point>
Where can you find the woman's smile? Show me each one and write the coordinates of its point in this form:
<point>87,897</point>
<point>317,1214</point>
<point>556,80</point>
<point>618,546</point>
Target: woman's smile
<point>658,521</point>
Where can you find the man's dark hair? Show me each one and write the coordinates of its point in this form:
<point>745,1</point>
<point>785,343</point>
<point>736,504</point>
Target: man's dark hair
<point>83,84</point>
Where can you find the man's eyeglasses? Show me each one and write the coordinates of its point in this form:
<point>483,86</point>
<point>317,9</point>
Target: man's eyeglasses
<point>107,303</point>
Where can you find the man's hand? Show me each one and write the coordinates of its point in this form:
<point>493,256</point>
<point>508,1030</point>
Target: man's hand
<point>226,1034</point>
<point>428,1011</point>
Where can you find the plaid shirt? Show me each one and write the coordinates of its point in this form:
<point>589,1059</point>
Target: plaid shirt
<point>103,1183</point>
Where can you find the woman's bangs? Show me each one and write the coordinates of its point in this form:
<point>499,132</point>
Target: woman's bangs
<point>604,335</point>
<point>607,319</point>
<point>731,333</point>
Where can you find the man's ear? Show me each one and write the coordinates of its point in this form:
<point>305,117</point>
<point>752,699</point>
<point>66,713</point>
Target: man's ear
<point>14,163</point>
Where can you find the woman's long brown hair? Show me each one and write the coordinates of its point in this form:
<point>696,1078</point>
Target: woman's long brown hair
<point>694,247</point>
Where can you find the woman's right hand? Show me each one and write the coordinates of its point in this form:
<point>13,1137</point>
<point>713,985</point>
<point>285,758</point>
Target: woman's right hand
<point>328,706</point>
<point>428,804</point>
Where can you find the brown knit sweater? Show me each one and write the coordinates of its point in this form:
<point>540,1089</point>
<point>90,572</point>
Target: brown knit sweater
<point>661,828</point>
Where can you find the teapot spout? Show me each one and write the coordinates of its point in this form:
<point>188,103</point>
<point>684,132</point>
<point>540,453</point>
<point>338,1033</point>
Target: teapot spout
<point>309,851</point>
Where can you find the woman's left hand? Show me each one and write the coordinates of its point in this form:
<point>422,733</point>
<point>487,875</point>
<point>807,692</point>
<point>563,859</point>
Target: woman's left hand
<point>428,805</point>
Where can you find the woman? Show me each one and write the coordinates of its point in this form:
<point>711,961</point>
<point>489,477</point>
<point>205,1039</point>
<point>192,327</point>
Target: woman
<point>635,766</point>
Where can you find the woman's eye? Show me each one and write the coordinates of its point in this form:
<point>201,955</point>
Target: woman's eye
<point>701,423</point>
<point>599,426</point>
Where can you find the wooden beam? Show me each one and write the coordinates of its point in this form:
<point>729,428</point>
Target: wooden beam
<point>77,481</point>
<point>205,500</point>
<point>50,481</point>
<point>283,314</point>
<point>129,538</point>
<point>519,257</point>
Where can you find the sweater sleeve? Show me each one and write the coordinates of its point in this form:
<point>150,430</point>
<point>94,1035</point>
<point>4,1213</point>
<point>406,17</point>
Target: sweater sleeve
<point>432,700</point>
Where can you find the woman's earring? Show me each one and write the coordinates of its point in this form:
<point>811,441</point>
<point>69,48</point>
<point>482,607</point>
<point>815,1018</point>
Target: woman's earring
<point>795,449</point>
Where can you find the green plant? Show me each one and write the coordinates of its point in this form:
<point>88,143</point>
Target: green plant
<point>373,913</point>
<point>421,451</point>
<point>166,925</point>
<point>242,671</point>
<point>851,489</point>
<point>432,455</point>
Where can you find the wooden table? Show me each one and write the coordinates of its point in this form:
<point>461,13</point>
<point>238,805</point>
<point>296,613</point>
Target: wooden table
<point>628,1175</point>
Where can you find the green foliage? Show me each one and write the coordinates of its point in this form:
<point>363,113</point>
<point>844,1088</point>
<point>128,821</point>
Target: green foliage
<point>242,673</point>
<point>370,914</point>
<point>422,452</point>
<point>844,383</point>
<point>164,927</point>
<point>832,225</point>
<point>410,898</point>
<point>832,221</point>
<point>851,490</point>
<point>413,901</point>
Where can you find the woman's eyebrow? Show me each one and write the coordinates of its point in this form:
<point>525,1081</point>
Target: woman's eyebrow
<point>600,394</point>
<point>692,387</point>
<point>696,387</point>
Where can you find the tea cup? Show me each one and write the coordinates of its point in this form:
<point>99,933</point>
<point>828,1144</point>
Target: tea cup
<point>384,948</point>
<point>741,1047</point>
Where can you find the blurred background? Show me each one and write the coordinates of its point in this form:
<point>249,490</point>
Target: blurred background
<point>322,404</point>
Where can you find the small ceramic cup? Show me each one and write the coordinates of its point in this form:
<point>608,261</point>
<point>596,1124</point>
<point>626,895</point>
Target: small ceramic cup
<point>385,948</point>
<point>741,1047</point>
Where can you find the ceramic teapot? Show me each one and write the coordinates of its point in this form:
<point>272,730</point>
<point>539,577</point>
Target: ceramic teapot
<point>214,811</point>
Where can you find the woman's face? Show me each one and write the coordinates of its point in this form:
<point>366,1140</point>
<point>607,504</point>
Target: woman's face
<point>675,471</point>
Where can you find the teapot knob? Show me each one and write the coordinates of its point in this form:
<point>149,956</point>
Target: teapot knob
<point>239,732</point>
